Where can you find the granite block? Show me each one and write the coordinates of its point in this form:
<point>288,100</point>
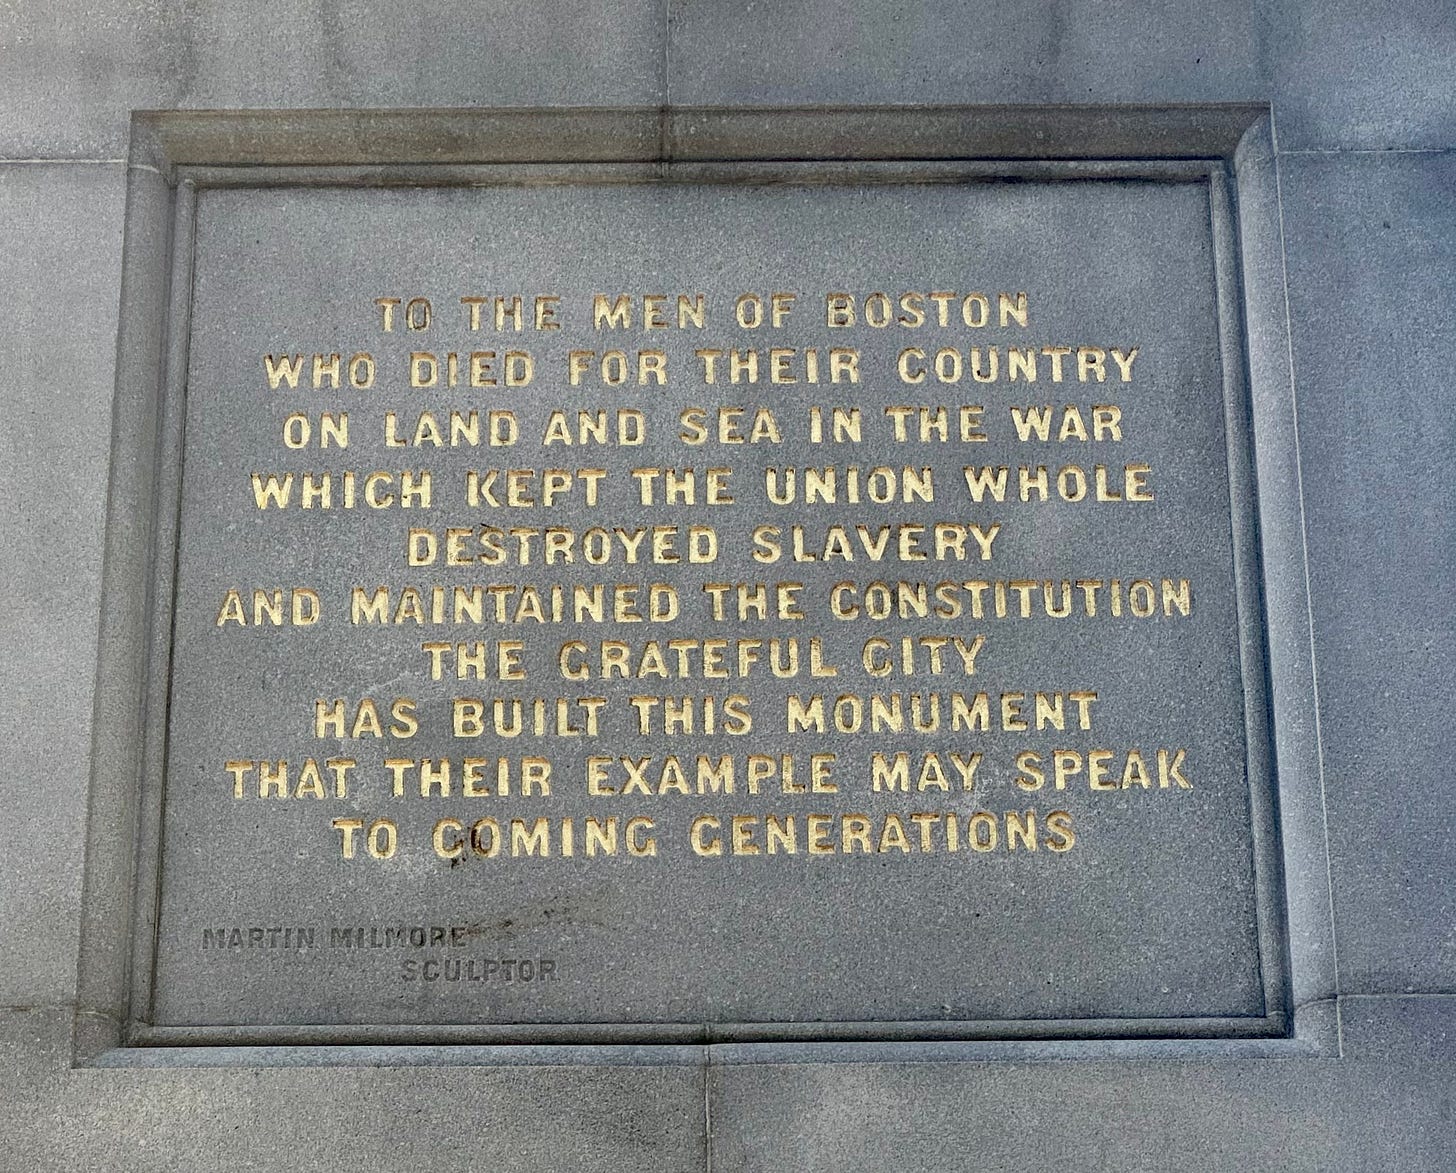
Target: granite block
<point>1392,1027</point>
<point>1371,244</point>
<point>1352,75</point>
<point>829,54</point>
<point>455,1119</point>
<point>60,236</point>
<point>71,73</point>
<point>1145,1117</point>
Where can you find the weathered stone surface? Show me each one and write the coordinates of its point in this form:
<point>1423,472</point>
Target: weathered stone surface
<point>60,235</point>
<point>262,1115</point>
<point>1377,436</point>
<point>1343,78</point>
<point>72,73</point>
<point>1220,1117</point>
<point>1361,76</point>
<point>866,54</point>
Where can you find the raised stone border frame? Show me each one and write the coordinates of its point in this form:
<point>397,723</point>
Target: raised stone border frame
<point>175,154</point>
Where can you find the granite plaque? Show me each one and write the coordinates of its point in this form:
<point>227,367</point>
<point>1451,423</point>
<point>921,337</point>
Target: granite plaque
<point>809,607</point>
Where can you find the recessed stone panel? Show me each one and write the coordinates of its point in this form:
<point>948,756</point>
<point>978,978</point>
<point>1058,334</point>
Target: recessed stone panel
<point>772,605</point>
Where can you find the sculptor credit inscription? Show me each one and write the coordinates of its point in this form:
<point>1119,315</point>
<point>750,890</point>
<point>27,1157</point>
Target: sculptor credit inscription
<point>708,603</point>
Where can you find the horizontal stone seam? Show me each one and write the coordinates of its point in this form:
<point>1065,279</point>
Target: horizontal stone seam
<point>1396,996</point>
<point>709,1057</point>
<point>1284,152</point>
<point>58,160</point>
<point>1367,151</point>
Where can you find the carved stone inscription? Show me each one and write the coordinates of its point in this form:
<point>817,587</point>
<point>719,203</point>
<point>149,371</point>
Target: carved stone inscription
<point>637,603</point>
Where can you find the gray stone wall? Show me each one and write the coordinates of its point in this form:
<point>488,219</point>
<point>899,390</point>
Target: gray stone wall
<point>1364,107</point>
